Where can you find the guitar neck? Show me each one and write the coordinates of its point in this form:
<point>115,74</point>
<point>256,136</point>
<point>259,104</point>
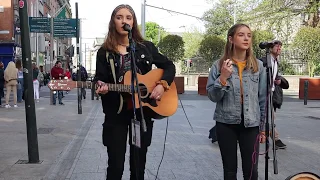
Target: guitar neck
<point>111,87</point>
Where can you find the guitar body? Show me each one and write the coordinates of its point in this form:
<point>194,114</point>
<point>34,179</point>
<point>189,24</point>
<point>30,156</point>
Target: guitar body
<point>156,109</point>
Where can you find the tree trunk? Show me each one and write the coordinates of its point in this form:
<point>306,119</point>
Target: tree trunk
<point>313,9</point>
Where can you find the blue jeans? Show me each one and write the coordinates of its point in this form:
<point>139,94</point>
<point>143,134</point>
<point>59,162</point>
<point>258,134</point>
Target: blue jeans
<point>1,92</point>
<point>55,97</point>
<point>20,89</point>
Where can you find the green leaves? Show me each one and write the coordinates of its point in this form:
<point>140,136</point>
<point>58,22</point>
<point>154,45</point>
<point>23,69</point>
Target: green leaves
<point>258,37</point>
<point>307,42</point>
<point>211,48</point>
<point>220,18</point>
<point>192,42</point>
<point>153,32</point>
<point>172,46</point>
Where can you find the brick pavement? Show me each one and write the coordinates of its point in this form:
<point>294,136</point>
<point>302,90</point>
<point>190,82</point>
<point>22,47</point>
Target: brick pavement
<point>189,153</point>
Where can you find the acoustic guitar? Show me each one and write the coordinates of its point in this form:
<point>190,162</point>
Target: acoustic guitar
<point>156,109</point>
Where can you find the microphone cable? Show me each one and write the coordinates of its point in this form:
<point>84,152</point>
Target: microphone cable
<point>165,137</point>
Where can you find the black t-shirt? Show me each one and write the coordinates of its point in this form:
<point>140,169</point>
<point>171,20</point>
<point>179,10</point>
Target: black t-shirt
<point>125,64</point>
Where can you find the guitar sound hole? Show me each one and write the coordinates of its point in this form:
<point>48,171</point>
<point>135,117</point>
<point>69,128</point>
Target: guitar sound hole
<point>143,90</point>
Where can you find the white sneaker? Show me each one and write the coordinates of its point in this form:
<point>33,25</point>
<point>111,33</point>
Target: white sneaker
<point>7,106</point>
<point>15,106</point>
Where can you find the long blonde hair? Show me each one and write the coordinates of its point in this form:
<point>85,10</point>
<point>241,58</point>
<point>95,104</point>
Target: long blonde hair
<point>229,49</point>
<point>11,72</point>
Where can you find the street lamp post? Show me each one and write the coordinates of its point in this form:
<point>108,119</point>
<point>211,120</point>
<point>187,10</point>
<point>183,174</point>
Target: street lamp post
<point>143,18</point>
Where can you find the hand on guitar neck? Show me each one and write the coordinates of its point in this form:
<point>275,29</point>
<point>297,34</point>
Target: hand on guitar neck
<point>102,88</point>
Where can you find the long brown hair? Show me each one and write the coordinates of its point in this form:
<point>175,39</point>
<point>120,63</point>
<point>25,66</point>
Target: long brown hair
<point>18,64</point>
<point>229,50</point>
<point>111,41</point>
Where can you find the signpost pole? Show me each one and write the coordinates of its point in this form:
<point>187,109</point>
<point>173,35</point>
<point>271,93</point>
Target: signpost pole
<point>51,54</point>
<point>79,70</point>
<point>32,137</point>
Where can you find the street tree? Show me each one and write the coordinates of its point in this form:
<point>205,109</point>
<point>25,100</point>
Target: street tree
<point>173,47</point>
<point>154,32</point>
<point>192,40</point>
<point>211,48</point>
<point>220,18</point>
<point>307,42</point>
<point>259,36</point>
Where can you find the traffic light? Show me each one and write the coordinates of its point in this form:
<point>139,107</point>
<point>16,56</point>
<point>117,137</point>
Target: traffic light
<point>188,63</point>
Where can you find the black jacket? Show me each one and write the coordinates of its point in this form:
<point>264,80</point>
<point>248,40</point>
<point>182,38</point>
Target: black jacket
<point>277,97</point>
<point>146,54</point>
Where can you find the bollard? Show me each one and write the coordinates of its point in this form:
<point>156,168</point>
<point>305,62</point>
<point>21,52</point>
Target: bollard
<point>306,86</point>
<point>92,90</point>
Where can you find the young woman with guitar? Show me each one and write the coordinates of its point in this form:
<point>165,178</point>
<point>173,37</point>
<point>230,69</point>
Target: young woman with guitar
<point>113,61</point>
<point>237,84</point>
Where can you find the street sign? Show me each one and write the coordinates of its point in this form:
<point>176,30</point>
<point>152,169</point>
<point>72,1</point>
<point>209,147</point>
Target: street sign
<point>62,27</point>
<point>39,24</point>
<point>62,14</point>
<point>66,28</point>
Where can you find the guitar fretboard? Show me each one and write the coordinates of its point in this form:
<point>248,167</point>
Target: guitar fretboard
<point>119,88</point>
<point>111,87</point>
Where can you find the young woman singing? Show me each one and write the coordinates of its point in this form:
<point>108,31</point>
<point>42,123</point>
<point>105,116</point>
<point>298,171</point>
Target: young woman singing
<point>119,113</point>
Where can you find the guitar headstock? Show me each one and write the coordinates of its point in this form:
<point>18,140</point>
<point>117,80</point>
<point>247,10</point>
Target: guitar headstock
<point>62,85</point>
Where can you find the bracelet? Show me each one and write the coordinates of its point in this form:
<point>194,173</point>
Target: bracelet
<point>222,83</point>
<point>164,84</point>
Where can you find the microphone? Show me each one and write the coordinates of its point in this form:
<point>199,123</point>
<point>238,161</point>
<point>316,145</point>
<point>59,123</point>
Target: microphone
<point>264,45</point>
<point>126,27</point>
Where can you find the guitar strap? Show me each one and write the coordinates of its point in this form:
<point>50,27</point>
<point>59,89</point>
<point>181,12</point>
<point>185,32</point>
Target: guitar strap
<point>111,61</point>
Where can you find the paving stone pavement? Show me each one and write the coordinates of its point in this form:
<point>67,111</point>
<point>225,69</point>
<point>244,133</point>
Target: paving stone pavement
<point>190,155</point>
<point>59,127</point>
<point>74,151</point>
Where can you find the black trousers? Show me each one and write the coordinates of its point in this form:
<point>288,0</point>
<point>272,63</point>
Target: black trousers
<point>115,132</point>
<point>228,136</point>
<point>1,93</point>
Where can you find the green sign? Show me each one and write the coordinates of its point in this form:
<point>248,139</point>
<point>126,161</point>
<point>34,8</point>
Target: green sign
<point>39,24</point>
<point>62,14</point>
<point>66,28</point>
<point>62,27</point>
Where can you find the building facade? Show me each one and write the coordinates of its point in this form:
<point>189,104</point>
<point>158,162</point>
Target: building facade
<point>10,40</point>
<point>7,31</point>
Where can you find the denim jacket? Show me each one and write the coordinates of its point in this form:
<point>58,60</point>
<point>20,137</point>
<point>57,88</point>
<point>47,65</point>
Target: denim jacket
<point>228,98</point>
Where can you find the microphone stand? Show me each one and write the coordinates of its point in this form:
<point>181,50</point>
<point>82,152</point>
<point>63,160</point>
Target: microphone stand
<point>269,116</point>
<point>135,81</point>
